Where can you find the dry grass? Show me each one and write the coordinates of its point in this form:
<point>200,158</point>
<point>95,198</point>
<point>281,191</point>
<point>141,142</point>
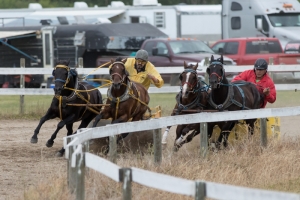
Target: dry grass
<point>245,163</point>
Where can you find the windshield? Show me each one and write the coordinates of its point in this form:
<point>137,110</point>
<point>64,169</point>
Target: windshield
<point>191,46</point>
<point>285,19</point>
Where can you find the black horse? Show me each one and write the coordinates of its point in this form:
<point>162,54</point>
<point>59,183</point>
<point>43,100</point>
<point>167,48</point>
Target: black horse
<point>72,102</point>
<point>224,95</point>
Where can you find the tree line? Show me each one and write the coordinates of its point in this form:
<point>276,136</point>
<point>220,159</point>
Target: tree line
<point>91,3</point>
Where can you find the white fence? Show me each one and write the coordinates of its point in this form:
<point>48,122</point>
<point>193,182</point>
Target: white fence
<point>197,189</point>
<point>295,69</point>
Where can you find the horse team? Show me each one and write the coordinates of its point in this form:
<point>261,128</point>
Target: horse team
<point>76,100</point>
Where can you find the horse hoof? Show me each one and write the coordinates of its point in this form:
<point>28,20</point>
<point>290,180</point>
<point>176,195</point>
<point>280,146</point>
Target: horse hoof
<point>59,154</point>
<point>34,140</point>
<point>49,144</point>
<point>175,149</point>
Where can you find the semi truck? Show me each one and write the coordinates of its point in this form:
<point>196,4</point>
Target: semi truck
<point>261,18</point>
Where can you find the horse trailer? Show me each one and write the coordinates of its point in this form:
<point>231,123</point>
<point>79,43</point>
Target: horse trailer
<point>202,22</point>
<point>42,45</point>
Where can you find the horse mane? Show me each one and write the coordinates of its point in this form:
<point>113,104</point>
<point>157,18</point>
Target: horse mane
<point>118,59</point>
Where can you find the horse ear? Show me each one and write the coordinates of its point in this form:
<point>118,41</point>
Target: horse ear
<point>221,59</point>
<point>124,60</point>
<point>112,61</point>
<point>195,67</point>
<point>184,65</point>
<point>212,58</point>
<point>68,62</point>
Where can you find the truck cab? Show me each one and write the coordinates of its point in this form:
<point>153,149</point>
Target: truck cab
<point>256,18</point>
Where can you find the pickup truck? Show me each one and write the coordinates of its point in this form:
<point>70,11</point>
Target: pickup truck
<point>168,52</point>
<point>245,51</point>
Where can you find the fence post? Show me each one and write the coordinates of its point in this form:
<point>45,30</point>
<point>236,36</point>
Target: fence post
<point>125,176</point>
<point>263,132</point>
<point>206,62</point>
<point>271,62</point>
<point>157,146</point>
<point>71,171</point>
<point>80,175</point>
<point>200,190</point>
<point>80,62</point>
<point>113,149</point>
<point>203,140</point>
<point>22,85</point>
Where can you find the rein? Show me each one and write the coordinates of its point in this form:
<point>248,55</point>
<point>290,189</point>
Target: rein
<point>75,94</point>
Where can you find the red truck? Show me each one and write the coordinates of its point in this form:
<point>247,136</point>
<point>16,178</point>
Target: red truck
<point>244,51</point>
<point>168,52</point>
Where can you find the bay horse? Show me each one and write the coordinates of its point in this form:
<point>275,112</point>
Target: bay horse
<point>193,96</point>
<point>239,95</point>
<point>70,92</point>
<point>127,99</point>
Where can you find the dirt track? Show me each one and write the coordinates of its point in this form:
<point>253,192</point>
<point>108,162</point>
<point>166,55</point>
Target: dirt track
<point>23,164</point>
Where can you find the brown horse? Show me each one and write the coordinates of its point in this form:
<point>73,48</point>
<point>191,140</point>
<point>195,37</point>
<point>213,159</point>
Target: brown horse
<point>127,99</point>
<point>193,96</point>
<point>69,92</point>
<point>239,95</point>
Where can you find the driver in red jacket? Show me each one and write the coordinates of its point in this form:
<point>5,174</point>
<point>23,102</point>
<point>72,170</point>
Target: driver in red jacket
<point>259,76</point>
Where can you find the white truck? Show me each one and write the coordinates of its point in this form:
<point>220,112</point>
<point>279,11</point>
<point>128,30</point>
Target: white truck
<point>261,18</point>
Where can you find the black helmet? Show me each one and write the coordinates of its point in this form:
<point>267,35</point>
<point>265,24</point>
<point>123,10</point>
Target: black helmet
<point>261,64</point>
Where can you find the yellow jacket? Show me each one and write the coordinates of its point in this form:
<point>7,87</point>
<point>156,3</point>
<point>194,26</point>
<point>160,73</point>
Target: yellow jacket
<point>142,76</point>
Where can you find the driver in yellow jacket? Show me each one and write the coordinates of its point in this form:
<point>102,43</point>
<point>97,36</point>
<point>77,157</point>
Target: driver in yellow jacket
<point>142,71</point>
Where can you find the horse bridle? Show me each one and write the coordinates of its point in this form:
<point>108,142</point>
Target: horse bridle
<point>70,73</point>
<point>189,84</point>
<point>219,77</point>
<point>122,77</point>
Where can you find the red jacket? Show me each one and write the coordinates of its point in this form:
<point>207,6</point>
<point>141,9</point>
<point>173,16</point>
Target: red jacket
<point>266,81</point>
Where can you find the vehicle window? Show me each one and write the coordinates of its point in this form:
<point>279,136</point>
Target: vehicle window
<point>218,47</point>
<point>236,6</point>
<point>231,48</point>
<point>189,46</point>
<point>284,19</point>
<point>260,47</point>
<point>162,48</point>
<point>235,23</point>
<point>292,48</point>
<point>148,47</point>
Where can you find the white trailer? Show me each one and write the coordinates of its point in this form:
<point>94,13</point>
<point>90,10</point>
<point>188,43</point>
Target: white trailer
<point>202,22</point>
<point>261,18</point>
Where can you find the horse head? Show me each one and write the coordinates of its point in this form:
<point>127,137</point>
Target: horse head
<point>118,73</point>
<point>64,76</point>
<point>216,72</point>
<point>189,79</point>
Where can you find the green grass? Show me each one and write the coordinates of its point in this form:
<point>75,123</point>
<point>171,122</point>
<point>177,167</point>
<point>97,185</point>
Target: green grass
<point>36,106</point>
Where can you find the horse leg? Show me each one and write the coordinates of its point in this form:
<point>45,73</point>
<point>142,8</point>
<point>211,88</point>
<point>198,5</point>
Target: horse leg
<point>190,137</point>
<point>47,116</point>
<point>69,127</point>
<point>178,138</point>
<point>60,125</point>
<point>165,135</point>
<point>225,134</point>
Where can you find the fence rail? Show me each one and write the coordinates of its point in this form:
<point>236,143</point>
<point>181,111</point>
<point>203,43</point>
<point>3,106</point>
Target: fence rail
<point>161,69</point>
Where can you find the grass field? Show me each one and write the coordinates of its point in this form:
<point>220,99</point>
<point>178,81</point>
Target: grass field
<point>275,167</point>
<point>36,106</point>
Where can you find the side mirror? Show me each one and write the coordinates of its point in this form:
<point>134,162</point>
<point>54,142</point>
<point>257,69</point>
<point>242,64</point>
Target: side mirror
<point>259,24</point>
<point>154,51</point>
<point>220,51</point>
